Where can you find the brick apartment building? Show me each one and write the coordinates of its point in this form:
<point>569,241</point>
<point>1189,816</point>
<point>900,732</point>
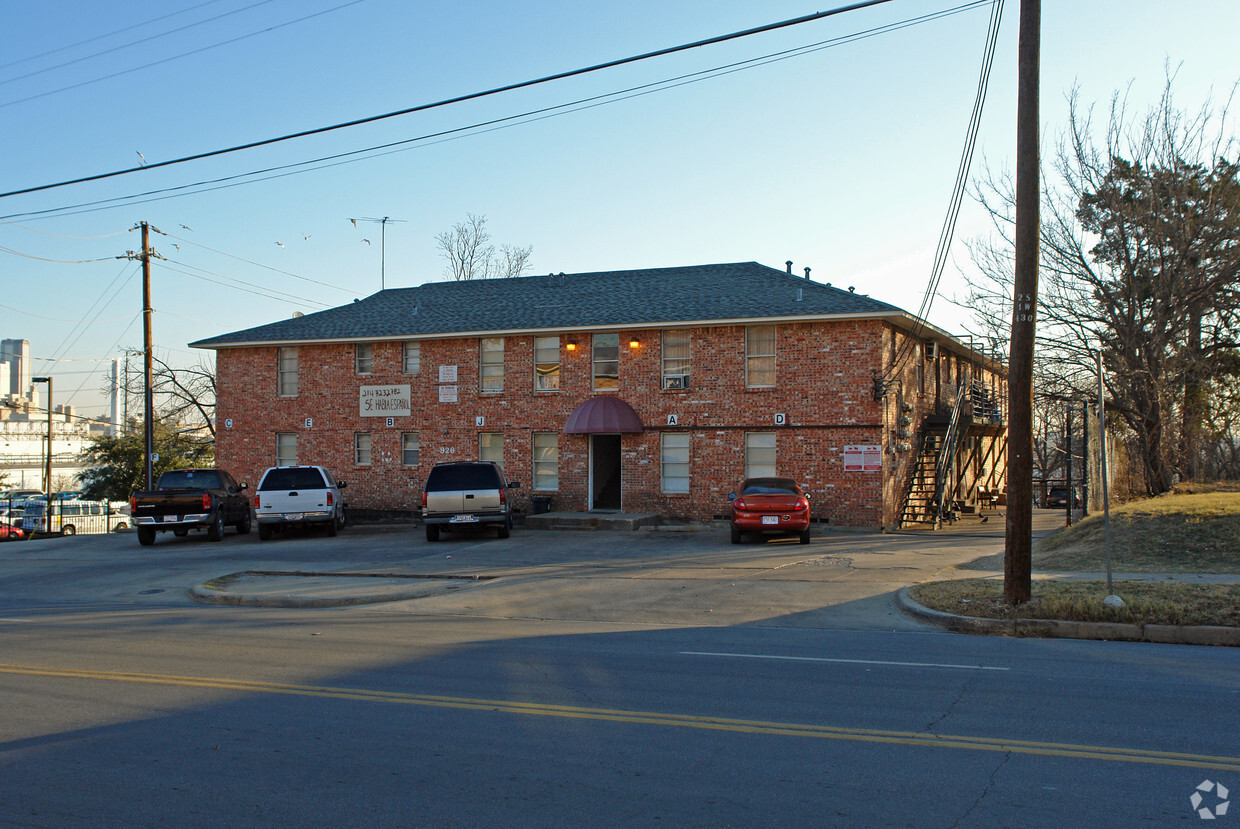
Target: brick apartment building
<point>642,391</point>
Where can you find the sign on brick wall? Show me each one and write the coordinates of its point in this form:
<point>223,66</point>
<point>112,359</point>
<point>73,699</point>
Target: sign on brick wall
<point>863,458</point>
<point>384,401</point>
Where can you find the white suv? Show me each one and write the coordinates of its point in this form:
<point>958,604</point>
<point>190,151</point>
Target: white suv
<point>298,495</point>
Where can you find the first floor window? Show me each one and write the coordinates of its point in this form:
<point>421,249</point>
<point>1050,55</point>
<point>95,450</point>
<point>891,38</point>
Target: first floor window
<point>286,448</point>
<point>546,363</point>
<point>491,447</point>
<point>546,460</point>
<point>364,358</point>
<point>760,356</point>
<point>675,452</point>
<point>413,356</point>
<point>286,381</point>
<point>759,454</point>
<point>410,447</point>
<point>361,448</point>
<point>491,364</point>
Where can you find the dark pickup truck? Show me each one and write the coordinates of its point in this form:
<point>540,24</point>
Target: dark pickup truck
<point>190,499</point>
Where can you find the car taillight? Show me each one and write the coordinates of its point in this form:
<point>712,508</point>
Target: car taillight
<point>133,504</point>
<point>257,501</point>
<point>330,501</point>
<point>503,499</point>
<point>739,503</point>
<point>206,502</point>
<point>802,503</point>
<point>423,499</point>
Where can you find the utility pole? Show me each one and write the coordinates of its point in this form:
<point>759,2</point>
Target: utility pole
<point>1018,554</point>
<point>1067,416</point>
<point>383,223</point>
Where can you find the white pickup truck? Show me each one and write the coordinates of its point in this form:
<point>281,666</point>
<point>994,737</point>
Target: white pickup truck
<point>290,496</point>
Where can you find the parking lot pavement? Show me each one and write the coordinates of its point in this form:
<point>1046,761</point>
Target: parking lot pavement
<point>840,580</point>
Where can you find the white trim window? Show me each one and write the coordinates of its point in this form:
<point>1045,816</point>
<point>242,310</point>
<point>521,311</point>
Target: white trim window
<point>676,359</point>
<point>674,454</point>
<point>286,448</point>
<point>491,446</point>
<point>759,454</point>
<point>546,460</point>
<point>361,448</point>
<point>286,371</point>
<point>606,361</point>
<point>546,364</point>
<point>412,357</point>
<point>491,364</point>
<point>364,358</point>
<point>759,356</point>
<point>410,448</point>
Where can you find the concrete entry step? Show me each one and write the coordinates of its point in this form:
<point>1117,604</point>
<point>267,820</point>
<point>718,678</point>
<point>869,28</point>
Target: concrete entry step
<point>591,520</point>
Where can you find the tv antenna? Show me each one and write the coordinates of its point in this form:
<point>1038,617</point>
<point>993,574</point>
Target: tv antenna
<point>383,223</point>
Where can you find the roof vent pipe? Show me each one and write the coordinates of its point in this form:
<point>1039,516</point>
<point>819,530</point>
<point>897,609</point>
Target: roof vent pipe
<point>789,265</point>
<point>807,273</point>
<point>851,289</point>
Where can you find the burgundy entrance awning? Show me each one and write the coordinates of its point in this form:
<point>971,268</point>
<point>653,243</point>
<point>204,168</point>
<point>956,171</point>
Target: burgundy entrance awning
<point>602,416</point>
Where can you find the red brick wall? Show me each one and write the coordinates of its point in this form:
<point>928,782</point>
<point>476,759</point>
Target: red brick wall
<point>823,389</point>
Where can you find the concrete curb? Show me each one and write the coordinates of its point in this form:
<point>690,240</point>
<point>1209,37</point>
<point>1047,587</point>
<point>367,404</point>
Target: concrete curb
<point>370,589</point>
<point>1112,631</point>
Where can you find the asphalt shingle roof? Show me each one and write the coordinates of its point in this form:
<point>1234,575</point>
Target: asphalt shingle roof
<point>651,297</point>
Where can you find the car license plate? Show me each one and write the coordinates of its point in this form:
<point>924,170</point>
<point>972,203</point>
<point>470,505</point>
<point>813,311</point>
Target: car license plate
<point>293,516</point>
<point>770,519</point>
<point>464,519</point>
<point>170,519</point>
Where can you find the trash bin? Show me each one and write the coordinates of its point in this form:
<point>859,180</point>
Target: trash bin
<point>540,504</point>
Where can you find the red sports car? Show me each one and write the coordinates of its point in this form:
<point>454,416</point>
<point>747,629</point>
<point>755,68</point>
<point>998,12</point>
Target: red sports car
<point>8,533</point>
<point>772,506</point>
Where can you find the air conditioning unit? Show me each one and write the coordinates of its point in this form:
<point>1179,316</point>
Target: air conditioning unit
<point>676,381</point>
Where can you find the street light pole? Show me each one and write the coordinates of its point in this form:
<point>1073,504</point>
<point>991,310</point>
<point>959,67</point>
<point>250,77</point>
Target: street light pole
<point>47,475</point>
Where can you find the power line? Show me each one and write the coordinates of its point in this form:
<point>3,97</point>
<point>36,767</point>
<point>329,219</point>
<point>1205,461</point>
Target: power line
<point>256,264</point>
<point>459,99</point>
<point>481,127</point>
<point>169,60</point>
<point>127,45</point>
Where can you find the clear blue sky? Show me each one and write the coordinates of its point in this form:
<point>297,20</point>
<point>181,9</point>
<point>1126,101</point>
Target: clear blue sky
<point>841,160</point>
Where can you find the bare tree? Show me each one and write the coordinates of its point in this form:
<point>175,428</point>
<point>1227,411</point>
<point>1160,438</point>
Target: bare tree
<point>1140,255</point>
<point>184,397</point>
<point>470,255</point>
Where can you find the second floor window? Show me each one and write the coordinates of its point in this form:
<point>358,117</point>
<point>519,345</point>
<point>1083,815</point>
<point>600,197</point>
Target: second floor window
<point>364,358</point>
<point>760,356</point>
<point>491,364</point>
<point>546,363</point>
<point>287,372</point>
<point>675,359</point>
<point>606,360</point>
<point>413,357</point>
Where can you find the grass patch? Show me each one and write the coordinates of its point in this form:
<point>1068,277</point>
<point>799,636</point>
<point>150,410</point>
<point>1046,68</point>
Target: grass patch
<point>1159,603</point>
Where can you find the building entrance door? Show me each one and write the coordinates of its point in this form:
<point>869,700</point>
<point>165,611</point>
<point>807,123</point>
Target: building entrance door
<point>605,472</point>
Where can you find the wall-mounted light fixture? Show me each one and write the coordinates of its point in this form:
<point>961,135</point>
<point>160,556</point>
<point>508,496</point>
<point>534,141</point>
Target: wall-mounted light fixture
<point>571,346</point>
<point>634,343</point>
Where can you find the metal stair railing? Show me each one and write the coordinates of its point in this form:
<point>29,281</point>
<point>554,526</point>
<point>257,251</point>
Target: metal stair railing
<point>947,452</point>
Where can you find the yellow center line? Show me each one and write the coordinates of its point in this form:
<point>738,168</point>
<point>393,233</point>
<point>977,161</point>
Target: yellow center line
<point>740,726</point>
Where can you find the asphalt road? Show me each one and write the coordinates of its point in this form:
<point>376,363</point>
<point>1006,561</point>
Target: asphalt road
<point>599,680</point>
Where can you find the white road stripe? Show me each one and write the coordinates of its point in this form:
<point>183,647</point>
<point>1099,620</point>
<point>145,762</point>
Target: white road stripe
<point>846,661</point>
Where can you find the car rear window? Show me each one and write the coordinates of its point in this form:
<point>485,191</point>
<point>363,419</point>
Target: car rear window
<point>770,486</point>
<point>465,476</point>
<point>292,477</point>
<point>190,479</point>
